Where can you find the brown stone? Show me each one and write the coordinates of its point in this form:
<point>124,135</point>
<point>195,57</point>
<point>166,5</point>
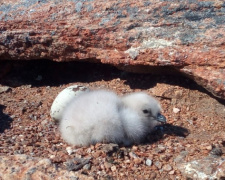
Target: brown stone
<point>134,36</point>
<point>138,161</point>
<point>167,168</point>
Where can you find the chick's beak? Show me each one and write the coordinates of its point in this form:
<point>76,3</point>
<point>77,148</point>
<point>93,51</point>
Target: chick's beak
<point>161,118</point>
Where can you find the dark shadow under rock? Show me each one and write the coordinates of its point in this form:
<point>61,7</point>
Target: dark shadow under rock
<point>5,120</point>
<point>39,73</point>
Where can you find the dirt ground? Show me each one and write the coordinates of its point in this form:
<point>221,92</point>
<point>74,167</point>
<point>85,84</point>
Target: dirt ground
<point>196,119</point>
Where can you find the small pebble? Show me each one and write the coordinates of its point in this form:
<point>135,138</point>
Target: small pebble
<point>13,116</point>
<point>176,110</point>
<point>107,165</point>
<point>113,168</point>
<point>69,150</point>
<point>158,164</point>
<point>127,161</point>
<point>89,150</point>
<point>135,148</point>
<point>52,156</point>
<point>216,152</point>
<point>133,155</point>
<point>161,148</point>
<point>148,162</point>
<point>209,147</point>
<point>171,172</point>
<point>138,161</point>
<point>87,166</point>
<point>178,94</point>
<point>44,122</point>
<point>167,167</point>
<point>152,175</point>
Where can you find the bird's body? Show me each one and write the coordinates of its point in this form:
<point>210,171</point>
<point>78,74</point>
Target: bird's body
<point>102,116</point>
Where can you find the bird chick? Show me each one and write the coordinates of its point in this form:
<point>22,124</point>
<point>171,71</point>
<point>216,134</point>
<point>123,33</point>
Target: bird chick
<point>140,115</point>
<point>101,116</point>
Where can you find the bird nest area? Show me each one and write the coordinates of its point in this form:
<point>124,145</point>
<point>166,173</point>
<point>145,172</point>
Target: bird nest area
<point>195,120</point>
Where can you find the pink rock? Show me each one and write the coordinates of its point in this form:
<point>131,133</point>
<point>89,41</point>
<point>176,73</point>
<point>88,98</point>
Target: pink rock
<point>23,167</point>
<point>134,36</point>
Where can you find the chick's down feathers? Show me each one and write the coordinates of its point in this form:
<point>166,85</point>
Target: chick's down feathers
<point>102,116</point>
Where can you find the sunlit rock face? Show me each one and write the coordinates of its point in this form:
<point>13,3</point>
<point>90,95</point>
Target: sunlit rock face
<point>134,36</point>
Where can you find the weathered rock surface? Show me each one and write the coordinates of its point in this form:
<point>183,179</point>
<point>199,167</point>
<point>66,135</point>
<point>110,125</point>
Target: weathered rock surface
<point>26,167</point>
<point>206,168</point>
<point>135,36</point>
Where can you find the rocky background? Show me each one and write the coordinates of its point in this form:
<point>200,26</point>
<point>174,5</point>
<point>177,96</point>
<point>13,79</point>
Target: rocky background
<point>168,38</point>
<point>187,36</point>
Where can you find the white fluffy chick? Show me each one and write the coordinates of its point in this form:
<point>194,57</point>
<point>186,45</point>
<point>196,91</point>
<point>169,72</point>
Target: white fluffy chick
<point>140,115</point>
<point>101,116</point>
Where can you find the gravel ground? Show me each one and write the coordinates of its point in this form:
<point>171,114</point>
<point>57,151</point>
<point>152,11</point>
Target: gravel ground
<point>196,120</point>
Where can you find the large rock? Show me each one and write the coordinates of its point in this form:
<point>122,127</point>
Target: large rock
<point>133,35</point>
<point>19,167</point>
<point>208,168</point>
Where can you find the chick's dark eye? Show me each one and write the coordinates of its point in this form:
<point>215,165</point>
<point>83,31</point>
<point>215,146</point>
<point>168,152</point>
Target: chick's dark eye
<point>145,111</point>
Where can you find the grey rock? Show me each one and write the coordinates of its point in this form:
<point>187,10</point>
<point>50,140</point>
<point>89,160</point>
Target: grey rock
<point>216,152</point>
<point>180,157</point>
<point>76,164</point>
<point>110,148</point>
<point>208,168</point>
<point>5,89</point>
<point>87,166</point>
<point>27,167</point>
